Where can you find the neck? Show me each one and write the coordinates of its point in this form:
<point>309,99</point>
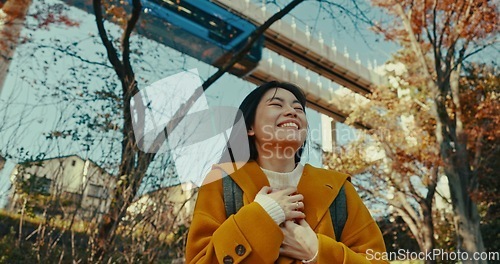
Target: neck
<point>276,158</point>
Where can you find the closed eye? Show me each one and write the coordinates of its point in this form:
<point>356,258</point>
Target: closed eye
<point>299,107</point>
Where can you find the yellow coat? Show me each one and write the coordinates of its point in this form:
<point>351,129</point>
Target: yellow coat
<point>251,236</point>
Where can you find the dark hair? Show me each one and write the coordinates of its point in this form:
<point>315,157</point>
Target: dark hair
<point>248,108</point>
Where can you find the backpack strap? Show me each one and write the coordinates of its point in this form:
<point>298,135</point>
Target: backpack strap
<point>233,195</point>
<point>338,213</point>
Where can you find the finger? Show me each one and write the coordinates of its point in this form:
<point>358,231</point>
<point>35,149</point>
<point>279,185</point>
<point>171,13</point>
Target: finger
<point>298,215</point>
<point>289,224</point>
<point>288,191</point>
<point>283,251</point>
<point>276,189</point>
<point>265,190</point>
<point>304,223</point>
<point>290,207</point>
<point>285,248</point>
<point>294,215</point>
<point>296,198</point>
<point>294,206</point>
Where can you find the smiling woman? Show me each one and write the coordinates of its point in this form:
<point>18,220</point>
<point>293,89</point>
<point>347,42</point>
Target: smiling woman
<point>285,209</point>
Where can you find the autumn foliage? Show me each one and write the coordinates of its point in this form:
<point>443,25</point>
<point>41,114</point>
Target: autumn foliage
<point>480,90</point>
<point>438,39</point>
<point>444,21</point>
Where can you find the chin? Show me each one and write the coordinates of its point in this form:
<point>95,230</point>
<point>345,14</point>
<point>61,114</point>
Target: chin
<point>291,144</point>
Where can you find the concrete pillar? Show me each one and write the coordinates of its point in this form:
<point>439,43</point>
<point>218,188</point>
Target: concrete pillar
<point>334,134</point>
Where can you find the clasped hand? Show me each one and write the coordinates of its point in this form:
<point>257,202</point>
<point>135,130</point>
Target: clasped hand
<point>300,241</point>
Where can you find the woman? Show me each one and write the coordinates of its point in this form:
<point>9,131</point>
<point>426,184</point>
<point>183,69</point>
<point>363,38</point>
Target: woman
<point>284,218</point>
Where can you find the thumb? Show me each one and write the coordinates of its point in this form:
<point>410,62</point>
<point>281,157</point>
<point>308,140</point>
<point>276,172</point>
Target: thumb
<point>303,223</point>
<point>265,190</point>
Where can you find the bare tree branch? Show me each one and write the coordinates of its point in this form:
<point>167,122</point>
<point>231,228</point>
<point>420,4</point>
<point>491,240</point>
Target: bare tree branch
<point>110,49</point>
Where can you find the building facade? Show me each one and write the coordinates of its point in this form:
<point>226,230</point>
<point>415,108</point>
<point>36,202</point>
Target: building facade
<point>171,206</point>
<point>63,186</point>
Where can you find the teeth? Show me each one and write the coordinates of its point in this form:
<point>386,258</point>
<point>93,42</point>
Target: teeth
<point>291,124</point>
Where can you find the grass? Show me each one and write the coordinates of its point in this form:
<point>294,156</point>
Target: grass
<point>57,244</point>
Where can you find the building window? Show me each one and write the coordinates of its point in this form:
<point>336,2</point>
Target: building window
<point>41,185</point>
<point>96,191</point>
<point>73,162</point>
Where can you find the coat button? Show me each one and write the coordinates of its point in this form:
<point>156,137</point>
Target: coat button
<point>228,260</point>
<point>240,250</point>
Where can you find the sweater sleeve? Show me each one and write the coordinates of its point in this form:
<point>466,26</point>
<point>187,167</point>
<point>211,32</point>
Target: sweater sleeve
<point>361,236</point>
<point>249,236</point>
<point>271,207</point>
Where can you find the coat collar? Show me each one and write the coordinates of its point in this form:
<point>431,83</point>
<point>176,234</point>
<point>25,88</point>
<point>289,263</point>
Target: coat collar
<point>318,186</point>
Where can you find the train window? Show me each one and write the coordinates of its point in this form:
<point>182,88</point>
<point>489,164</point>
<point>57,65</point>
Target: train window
<point>219,30</point>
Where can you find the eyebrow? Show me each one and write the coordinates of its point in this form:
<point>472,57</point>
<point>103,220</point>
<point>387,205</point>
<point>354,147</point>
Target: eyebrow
<point>282,100</point>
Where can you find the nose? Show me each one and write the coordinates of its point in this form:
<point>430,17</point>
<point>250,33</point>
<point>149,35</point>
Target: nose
<point>290,111</point>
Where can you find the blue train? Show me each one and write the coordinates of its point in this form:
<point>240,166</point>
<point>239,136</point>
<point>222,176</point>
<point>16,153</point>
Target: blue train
<point>200,29</point>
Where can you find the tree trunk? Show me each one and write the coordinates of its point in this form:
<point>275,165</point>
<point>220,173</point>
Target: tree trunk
<point>466,215</point>
<point>427,230</point>
<point>453,150</point>
<point>133,167</point>
<point>12,16</point>
<point>421,225</point>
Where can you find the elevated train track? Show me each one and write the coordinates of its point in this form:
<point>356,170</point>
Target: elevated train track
<point>311,53</point>
<point>301,48</point>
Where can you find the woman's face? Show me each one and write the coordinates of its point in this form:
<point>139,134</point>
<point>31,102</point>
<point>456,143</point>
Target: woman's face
<point>280,121</point>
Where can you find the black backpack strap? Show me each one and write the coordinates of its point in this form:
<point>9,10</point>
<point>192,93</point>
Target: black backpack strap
<point>233,195</point>
<point>338,213</point>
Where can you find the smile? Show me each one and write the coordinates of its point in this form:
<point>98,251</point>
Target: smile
<point>289,124</point>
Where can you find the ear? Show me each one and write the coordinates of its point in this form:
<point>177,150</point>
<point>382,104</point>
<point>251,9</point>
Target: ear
<point>250,132</point>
